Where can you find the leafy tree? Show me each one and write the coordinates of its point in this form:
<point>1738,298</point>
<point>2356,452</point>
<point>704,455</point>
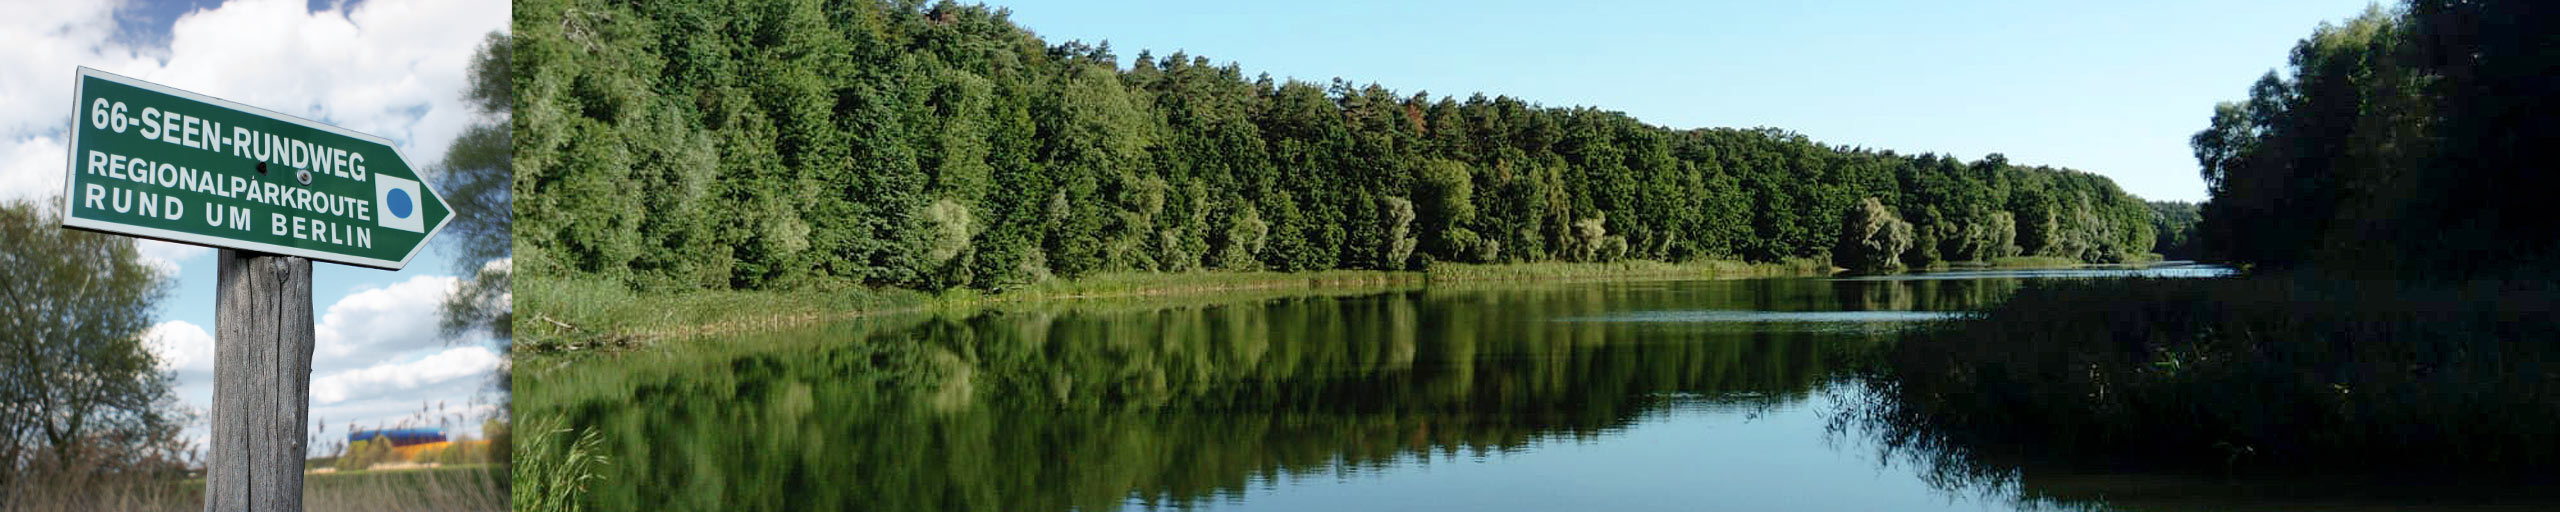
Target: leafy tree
<point>477,174</point>
<point>361,454</point>
<point>949,230</point>
<point>78,387</point>
<point>1245,237</point>
<point>2174,227</point>
<point>2405,142</point>
<point>1399,241</point>
<point>1872,239</point>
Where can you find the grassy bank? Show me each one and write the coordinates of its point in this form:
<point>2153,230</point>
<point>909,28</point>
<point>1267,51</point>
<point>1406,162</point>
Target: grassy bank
<point>570,313</point>
<point>1132,284</point>
<point>2264,373</point>
<point>82,492</point>
<point>561,313</point>
<point>461,487</point>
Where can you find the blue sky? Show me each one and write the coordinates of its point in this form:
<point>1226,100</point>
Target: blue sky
<point>2108,87</point>
<point>394,68</point>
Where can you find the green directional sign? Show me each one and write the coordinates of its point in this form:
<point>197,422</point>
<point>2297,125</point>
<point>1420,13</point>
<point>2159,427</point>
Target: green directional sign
<point>156,162</point>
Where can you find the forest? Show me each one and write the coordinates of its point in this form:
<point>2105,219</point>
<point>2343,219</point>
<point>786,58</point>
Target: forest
<point>716,144</point>
<point>2413,142</point>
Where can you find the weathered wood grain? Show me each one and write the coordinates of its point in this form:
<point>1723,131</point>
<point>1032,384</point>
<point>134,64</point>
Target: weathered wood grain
<point>262,382</point>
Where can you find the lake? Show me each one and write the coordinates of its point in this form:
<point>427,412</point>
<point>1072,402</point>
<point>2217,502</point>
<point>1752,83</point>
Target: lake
<point>1665,395</point>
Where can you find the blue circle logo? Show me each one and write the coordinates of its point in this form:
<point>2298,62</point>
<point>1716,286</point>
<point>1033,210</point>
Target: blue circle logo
<point>399,203</point>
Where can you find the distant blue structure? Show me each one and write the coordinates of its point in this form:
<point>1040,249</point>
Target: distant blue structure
<point>399,436</point>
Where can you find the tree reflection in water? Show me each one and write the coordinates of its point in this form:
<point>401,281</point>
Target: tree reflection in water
<point>1174,402</point>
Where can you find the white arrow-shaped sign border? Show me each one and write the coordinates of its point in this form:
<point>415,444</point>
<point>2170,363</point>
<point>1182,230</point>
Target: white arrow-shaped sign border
<point>72,165</point>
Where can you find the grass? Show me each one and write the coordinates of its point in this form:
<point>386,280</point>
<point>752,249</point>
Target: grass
<point>1126,284</point>
<point>69,491</point>
<point>584,312</point>
<point>555,466</point>
<point>2272,373</point>
<point>574,313</point>
<point>460,487</point>
<point>472,487</point>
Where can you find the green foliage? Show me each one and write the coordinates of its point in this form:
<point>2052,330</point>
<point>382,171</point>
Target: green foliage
<point>1872,239</point>
<point>2174,226</point>
<point>79,392</point>
<point>2404,143</point>
<point>364,453</point>
<point>1245,237</point>
<point>1399,243</point>
<point>719,144</point>
<point>948,230</point>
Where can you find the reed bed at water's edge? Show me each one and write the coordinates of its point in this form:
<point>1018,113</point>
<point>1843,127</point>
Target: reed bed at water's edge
<point>578,312</point>
<point>2273,373</point>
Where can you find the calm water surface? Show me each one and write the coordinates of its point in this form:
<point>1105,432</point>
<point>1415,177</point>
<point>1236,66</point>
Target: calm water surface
<point>1600,396</point>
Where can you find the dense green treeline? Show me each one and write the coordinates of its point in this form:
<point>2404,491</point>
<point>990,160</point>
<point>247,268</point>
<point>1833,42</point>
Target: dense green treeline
<point>721,144</point>
<point>2174,225</point>
<point>2414,141</point>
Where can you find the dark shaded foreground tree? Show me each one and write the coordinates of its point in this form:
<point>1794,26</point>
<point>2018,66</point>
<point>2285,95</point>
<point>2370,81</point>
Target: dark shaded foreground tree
<point>720,144</point>
<point>80,394</point>
<point>2412,143</point>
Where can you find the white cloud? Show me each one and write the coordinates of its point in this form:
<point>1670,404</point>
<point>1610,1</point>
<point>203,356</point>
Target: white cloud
<point>500,265</point>
<point>459,363</point>
<point>183,347</point>
<point>369,324</point>
<point>167,255</point>
<point>395,68</point>
<point>31,167</point>
<point>45,41</point>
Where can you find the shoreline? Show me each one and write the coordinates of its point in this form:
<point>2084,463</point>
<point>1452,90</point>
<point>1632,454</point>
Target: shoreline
<point>568,313</point>
<point>572,313</point>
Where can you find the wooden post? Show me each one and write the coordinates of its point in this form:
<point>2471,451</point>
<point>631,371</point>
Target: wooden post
<point>262,382</point>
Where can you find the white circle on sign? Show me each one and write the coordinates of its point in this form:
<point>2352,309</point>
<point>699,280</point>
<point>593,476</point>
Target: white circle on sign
<point>304,175</point>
